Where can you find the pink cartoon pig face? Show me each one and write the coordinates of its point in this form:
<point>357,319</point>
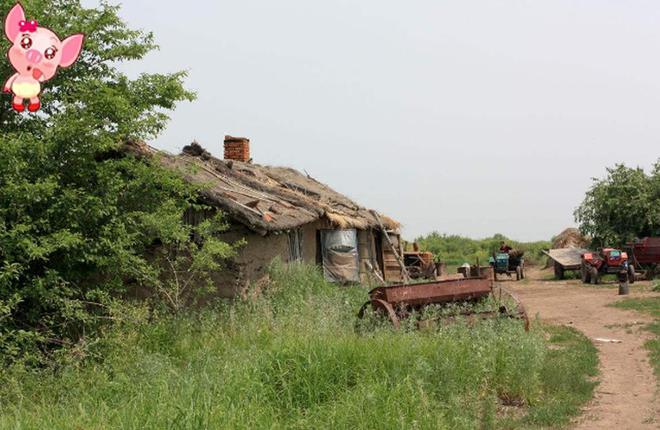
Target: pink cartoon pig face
<point>37,51</point>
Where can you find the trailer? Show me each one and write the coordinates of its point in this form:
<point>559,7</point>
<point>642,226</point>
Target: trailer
<point>565,259</point>
<point>645,256</point>
<point>397,302</point>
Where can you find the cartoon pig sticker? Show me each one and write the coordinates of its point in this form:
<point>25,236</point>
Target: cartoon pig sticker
<point>36,53</point>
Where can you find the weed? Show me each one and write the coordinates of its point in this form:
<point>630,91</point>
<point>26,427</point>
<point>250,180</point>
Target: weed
<point>291,358</point>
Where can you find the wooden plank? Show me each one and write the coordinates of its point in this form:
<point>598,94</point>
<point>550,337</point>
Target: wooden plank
<point>404,271</point>
<point>375,272</point>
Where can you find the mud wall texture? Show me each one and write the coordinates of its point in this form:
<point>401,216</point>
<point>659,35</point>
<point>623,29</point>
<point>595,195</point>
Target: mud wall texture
<point>252,260</point>
<point>250,266</point>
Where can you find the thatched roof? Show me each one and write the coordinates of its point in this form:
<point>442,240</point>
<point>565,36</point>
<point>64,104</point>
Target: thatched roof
<point>264,198</point>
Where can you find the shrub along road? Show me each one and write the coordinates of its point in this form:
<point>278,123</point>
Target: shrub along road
<point>627,396</point>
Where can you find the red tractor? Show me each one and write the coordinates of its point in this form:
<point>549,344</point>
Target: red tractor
<point>606,261</point>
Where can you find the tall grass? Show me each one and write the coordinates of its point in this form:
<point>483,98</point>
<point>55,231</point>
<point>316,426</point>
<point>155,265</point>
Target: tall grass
<point>291,358</point>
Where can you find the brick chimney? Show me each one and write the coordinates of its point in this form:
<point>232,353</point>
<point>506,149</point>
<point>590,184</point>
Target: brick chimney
<point>237,148</point>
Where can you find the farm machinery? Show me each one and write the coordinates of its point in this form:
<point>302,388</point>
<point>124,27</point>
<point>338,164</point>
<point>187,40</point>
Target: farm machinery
<point>645,256</point>
<point>420,265</point>
<point>565,259</point>
<point>422,300</point>
<point>508,263</point>
<point>606,261</point>
<point>398,302</point>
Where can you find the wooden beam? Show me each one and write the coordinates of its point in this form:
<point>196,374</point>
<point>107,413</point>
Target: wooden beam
<point>404,271</point>
<point>374,272</point>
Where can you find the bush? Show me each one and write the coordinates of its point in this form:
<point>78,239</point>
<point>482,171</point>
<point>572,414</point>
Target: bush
<point>77,217</point>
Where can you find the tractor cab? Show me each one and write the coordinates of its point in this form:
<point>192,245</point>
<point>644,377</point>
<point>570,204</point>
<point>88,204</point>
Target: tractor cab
<point>614,257</point>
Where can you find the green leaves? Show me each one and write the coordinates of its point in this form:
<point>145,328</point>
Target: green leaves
<point>80,220</point>
<point>93,94</point>
<point>624,205</point>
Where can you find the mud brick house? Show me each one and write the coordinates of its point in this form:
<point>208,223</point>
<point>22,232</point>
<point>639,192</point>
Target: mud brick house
<point>283,213</point>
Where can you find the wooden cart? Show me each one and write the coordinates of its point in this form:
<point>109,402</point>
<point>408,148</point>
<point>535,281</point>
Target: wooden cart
<point>565,259</point>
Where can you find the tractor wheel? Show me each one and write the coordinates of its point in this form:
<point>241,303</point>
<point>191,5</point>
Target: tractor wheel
<point>518,273</point>
<point>559,271</point>
<point>585,274</point>
<point>631,274</point>
<point>593,274</point>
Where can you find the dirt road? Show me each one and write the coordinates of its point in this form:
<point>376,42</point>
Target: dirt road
<point>627,396</point>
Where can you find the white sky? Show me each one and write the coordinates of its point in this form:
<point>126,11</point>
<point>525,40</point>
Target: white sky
<point>467,117</point>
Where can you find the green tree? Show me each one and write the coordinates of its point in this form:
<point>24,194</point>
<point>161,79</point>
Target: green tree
<point>622,206</point>
<point>79,220</point>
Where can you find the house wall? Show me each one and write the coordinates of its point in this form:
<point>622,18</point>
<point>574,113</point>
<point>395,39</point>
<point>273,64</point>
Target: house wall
<point>252,260</point>
<point>310,243</point>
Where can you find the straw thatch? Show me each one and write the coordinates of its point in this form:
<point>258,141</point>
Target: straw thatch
<point>264,198</point>
<point>570,238</point>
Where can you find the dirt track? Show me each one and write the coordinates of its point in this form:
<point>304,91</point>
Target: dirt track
<point>627,396</point>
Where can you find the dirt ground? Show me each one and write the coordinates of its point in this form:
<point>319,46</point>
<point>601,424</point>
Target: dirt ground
<point>627,396</point>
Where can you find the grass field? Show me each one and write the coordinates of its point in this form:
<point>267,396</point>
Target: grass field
<point>650,306</point>
<point>292,358</point>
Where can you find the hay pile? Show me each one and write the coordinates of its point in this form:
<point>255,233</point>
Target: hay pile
<point>570,238</point>
<point>516,253</point>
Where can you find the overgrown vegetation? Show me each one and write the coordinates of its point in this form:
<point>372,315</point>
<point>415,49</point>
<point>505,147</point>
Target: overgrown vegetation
<point>623,206</point>
<point>79,222</point>
<point>651,306</point>
<point>456,250</point>
<point>291,358</point>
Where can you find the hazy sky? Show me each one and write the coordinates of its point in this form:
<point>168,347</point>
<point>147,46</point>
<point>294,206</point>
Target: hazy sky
<point>467,117</point>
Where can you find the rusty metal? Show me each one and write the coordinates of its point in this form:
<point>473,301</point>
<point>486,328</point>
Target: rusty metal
<point>647,250</point>
<point>420,265</point>
<point>398,301</point>
<point>645,255</point>
<point>427,293</point>
<point>476,271</point>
